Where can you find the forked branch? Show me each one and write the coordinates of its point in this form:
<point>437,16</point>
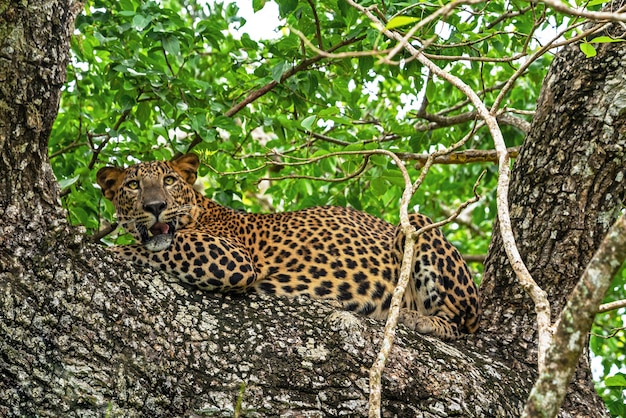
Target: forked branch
<point>539,297</point>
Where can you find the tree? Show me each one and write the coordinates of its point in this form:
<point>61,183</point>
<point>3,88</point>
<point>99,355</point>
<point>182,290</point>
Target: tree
<point>84,335</point>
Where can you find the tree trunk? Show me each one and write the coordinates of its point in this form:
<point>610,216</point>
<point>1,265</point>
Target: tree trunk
<point>567,189</point>
<point>82,335</point>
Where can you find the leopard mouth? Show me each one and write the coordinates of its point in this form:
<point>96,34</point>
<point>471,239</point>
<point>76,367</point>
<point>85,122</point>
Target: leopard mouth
<point>159,228</point>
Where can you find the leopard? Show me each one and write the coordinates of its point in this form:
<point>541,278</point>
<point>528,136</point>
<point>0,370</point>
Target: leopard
<point>334,253</point>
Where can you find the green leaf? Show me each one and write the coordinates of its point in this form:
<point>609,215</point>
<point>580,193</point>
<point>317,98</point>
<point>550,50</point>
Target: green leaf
<point>604,39</point>
<point>68,182</point>
<point>399,21</point>
<point>278,71</point>
<point>431,91</point>
<point>144,110</point>
<point>378,185</point>
<point>171,45</point>
<point>226,123</point>
<point>257,5</point>
<point>379,160</point>
<point>588,49</point>
<point>127,5</point>
<point>619,380</point>
<point>308,122</point>
<point>285,7</point>
<point>596,2</point>
<point>140,22</point>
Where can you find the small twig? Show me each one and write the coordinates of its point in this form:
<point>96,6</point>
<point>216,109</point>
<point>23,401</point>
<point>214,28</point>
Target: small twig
<point>455,58</point>
<point>335,55</point>
<point>67,148</point>
<point>505,16</point>
<point>318,32</point>
<point>605,307</point>
<point>474,258</point>
<point>104,232</point>
<point>613,333</point>
<point>439,121</point>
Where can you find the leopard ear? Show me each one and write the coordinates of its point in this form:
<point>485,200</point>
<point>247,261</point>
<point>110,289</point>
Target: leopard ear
<point>110,179</point>
<point>187,166</point>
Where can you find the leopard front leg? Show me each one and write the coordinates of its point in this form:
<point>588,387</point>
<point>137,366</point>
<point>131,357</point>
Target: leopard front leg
<point>198,258</point>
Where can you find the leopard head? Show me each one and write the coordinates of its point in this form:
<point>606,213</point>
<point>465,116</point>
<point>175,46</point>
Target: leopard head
<point>152,198</point>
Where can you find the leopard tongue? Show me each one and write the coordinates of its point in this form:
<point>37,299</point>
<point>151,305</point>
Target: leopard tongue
<point>159,228</point>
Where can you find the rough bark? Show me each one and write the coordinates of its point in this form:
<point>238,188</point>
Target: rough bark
<point>567,189</point>
<point>82,335</point>
<point>82,344</point>
<point>33,55</point>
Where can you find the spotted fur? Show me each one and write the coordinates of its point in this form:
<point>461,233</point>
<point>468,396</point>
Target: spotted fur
<point>324,252</point>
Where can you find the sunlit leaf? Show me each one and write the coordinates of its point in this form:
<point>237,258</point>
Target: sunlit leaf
<point>619,380</point>
<point>63,183</point>
<point>399,21</point>
<point>588,49</point>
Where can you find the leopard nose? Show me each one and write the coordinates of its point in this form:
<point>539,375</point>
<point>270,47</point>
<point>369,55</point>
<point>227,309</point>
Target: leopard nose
<point>155,208</point>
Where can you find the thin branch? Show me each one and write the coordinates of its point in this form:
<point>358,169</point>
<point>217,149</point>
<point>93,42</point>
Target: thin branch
<point>376,371</point>
<point>104,232</point>
<point>507,15</point>
<point>475,258</point>
<point>606,307</point>
<point>254,95</point>
<point>460,157</point>
<point>613,333</point>
<point>559,6</point>
<point>439,121</point>
<point>318,31</point>
<point>75,144</point>
<point>475,58</point>
<point>335,55</point>
<point>350,176</point>
<point>539,297</point>
<point>411,235</point>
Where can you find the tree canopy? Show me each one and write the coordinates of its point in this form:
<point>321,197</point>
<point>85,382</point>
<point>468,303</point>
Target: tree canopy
<point>293,121</point>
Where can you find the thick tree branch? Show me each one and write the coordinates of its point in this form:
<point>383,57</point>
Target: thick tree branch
<point>574,324</point>
<point>256,94</point>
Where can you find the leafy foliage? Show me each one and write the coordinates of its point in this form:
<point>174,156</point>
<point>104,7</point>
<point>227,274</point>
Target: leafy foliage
<point>277,123</point>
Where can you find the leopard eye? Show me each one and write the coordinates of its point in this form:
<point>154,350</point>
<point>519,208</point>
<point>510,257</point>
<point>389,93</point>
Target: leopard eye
<point>169,180</point>
<point>133,184</point>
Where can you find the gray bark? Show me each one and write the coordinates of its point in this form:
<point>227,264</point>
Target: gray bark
<point>83,335</point>
<point>567,189</point>
<point>87,340</point>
